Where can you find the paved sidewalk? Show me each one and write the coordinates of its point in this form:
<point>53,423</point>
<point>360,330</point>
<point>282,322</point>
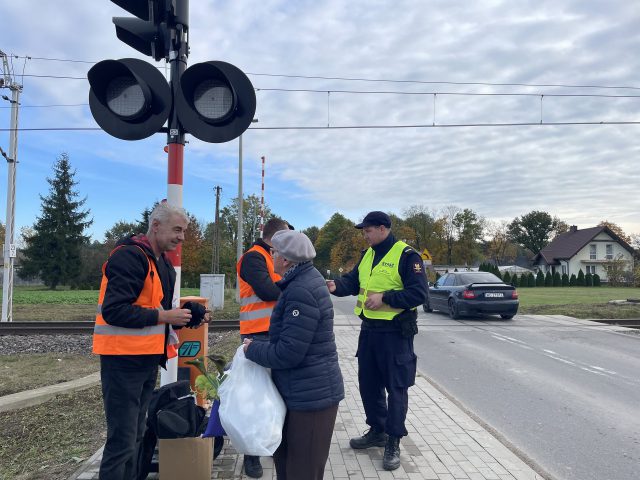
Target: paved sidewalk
<point>443,442</point>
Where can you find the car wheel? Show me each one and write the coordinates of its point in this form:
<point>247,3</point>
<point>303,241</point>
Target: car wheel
<point>507,317</point>
<point>427,307</point>
<point>453,309</point>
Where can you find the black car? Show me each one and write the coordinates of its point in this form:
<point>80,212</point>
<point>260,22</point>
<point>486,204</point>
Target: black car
<point>472,293</point>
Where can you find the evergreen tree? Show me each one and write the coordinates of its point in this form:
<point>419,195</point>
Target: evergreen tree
<point>540,279</point>
<point>514,281</point>
<point>596,280</point>
<point>532,280</point>
<point>557,280</point>
<point>565,280</point>
<point>580,280</point>
<point>53,250</point>
<point>573,281</point>
<point>507,278</point>
<point>548,279</point>
<point>588,280</point>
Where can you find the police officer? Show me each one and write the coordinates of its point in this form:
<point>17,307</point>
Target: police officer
<point>390,283</point>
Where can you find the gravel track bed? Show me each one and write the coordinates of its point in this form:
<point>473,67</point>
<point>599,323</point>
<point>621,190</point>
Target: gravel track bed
<point>74,344</point>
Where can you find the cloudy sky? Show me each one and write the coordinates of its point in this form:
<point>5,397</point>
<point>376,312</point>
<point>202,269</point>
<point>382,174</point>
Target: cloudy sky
<point>433,87</point>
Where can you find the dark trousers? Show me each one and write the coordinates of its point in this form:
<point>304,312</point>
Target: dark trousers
<point>386,366</point>
<point>304,450</point>
<point>126,391</point>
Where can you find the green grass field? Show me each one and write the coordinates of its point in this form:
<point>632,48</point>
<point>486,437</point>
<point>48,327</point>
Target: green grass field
<point>37,303</point>
<point>574,295</point>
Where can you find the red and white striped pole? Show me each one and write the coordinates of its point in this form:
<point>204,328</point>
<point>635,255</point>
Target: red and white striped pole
<point>175,149</point>
<point>262,201</point>
<point>174,198</point>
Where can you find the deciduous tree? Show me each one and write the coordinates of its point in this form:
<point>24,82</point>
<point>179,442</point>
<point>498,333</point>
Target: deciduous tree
<point>534,230</point>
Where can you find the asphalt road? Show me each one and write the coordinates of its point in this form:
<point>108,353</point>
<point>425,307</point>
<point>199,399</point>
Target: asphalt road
<point>565,395</point>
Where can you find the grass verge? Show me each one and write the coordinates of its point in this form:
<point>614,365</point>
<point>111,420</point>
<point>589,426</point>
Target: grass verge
<point>29,371</point>
<point>51,440</point>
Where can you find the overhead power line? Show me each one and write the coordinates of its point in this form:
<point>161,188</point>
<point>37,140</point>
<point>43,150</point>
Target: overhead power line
<point>361,79</point>
<point>371,127</point>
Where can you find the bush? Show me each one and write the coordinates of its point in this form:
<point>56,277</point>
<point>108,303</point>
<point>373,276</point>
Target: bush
<point>565,280</point>
<point>573,281</point>
<point>580,280</point>
<point>557,281</point>
<point>540,279</point>
<point>588,280</point>
<point>514,281</point>
<point>523,280</point>
<point>506,278</point>
<point>532,280</point>
<point>596,280</point>
<point>548,279</point>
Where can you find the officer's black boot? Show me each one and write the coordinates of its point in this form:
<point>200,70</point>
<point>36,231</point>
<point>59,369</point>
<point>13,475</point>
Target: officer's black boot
<point>252,467</point>
<point>391,459</point>
<point>372,438</point>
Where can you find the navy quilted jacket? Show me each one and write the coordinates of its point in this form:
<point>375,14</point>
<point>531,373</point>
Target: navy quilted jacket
<point>301,351</point>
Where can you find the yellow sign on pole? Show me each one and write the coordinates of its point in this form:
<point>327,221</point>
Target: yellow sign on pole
<point>426,255</point>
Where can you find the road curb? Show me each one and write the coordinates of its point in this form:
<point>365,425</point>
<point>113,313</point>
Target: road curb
<point>37,396</point>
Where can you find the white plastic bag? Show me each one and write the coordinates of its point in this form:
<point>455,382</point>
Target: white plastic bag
<point>251,409</point>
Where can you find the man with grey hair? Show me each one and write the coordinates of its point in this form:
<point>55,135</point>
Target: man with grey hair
<point>133,325</point>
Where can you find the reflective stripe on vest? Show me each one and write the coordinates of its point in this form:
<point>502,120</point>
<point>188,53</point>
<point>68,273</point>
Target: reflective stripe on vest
<point>113,340</point>
<point>379,279</point>
<point>254,312</point>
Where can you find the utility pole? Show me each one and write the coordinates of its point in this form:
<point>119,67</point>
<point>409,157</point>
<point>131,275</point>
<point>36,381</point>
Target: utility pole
<point>8,81</point>
<point>215,258</point>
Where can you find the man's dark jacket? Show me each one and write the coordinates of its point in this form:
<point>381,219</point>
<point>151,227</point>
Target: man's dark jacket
<point>301,351</point>
<point>126,270</point>
<point>254,271</point>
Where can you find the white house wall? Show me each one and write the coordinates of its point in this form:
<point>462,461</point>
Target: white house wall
<point>583,258</point>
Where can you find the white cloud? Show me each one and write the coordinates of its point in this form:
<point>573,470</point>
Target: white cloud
<point>582,174</point>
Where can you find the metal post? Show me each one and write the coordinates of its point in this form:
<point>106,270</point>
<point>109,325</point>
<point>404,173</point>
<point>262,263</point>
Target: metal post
<point>239,233</point>
<point>9,247</point>
<point>215,257</point>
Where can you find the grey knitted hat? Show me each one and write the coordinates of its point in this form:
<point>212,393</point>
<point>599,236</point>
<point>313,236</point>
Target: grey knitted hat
<point>293,245</point>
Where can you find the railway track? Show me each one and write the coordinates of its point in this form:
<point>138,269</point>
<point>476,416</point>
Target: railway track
<point>83,327</point>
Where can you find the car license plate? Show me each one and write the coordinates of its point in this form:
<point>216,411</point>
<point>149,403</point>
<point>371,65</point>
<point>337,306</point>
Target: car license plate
<point>494,295</point>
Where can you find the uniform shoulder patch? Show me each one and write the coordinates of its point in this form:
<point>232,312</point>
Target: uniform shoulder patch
<point>417,267</point>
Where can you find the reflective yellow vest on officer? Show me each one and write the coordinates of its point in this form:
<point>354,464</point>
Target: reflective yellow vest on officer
<point>379,279</point>
<point>112,340</point>
<point>254,312</point>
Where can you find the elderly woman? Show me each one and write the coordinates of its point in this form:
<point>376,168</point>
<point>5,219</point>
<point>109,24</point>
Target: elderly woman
<point>302,355</point>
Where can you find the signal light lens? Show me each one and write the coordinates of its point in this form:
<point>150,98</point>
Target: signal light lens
<point>514,294</point>
<point>468,294</point>
<point>213,100</point>
<point>124,97</point>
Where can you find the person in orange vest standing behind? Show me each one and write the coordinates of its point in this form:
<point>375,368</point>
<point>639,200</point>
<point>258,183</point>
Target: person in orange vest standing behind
<point>132,333</point>
<point>258,295</point>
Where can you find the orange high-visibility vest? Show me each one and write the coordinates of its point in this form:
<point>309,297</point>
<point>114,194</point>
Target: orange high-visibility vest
<point>112,340</point>
<point>254,312</point>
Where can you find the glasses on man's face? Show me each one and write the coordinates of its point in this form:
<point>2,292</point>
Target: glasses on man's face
<point>274,253</point>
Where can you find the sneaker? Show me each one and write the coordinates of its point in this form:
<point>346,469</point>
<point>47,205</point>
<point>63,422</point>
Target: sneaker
<point>371,438</point>
<point>391,458</point>
<point>252,467</point>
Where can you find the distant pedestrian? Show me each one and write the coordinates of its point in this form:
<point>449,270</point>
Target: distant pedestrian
<point>390,283</point>
<point>258,294</point>
<point>132,331</point>
<point>303,359</point>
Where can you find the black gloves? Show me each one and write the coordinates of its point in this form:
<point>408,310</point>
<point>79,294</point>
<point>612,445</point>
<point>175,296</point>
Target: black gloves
<point>197,314</point>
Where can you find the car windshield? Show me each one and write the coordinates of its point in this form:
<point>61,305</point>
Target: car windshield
<point>481,277</point>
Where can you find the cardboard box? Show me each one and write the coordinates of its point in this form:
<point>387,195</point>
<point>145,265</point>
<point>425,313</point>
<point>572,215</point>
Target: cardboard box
<point>186,458</point>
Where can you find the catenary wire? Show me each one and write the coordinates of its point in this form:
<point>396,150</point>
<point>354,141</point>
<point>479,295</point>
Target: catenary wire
<point>380,80</point>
